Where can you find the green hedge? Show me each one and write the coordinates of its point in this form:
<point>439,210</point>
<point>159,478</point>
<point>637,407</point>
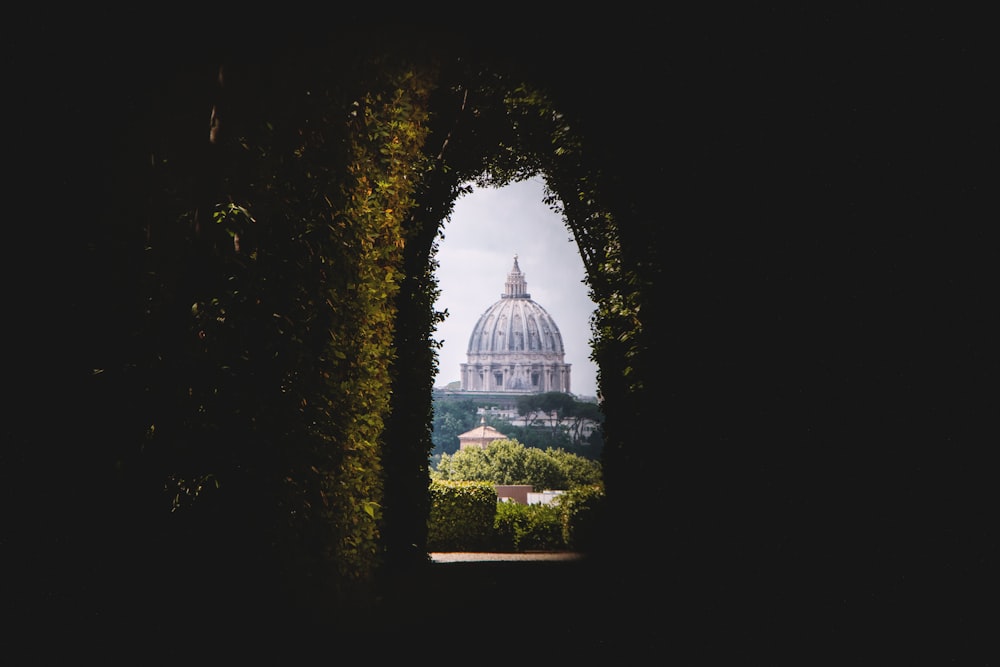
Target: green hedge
<point>461,516</point>
<point>465,516</point>
<point>528,527</point>
<point>582,517</point>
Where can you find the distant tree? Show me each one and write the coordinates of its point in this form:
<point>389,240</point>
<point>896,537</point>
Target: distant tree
<point>583,411</point>
<point>510,462</point>
<point>579,470</point>
<point>467,465</point>
<point>549,408</point>
<point>451,419</point>
<point>555,420</point>
<point>564,431</point>
<point>506,462</point>
<point>536,436</point>
<point>543,470</point>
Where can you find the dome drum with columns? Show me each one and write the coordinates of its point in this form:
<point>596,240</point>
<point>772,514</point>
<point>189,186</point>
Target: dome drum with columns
<point>515,346</point>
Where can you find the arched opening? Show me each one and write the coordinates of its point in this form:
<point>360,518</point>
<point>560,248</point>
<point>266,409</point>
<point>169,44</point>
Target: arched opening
<point>505,347</point>
<point>489,227</point>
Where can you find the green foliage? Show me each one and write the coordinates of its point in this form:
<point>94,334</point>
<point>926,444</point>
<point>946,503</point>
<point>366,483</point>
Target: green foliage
<point>451,419</point>
<point>582,515</point>
<point>408,433</point>
<point>540,432</point>
<point>556,420</point>
<point>540,437</point>
<point>460,512</point>
<point>509,462</point>
<point>577,470</point>
<point>528,527</point>
<point>565,431</point>
<point>461,516</point>
<point>269,318</point>
<point>561,403</point>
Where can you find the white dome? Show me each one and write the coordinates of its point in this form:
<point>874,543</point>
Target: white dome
<point>516,345</point>
<point>516,323</point>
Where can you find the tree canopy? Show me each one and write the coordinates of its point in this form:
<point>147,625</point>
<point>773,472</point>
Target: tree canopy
<point>510,462</point>
<point>555,422</point>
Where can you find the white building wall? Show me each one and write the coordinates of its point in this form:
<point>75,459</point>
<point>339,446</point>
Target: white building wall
<point>543,497</point>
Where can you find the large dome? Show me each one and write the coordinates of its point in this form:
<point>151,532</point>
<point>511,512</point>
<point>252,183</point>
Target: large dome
<point>516,345</point>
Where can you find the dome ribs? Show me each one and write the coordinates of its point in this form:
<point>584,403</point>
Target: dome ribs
<point>516,345</point>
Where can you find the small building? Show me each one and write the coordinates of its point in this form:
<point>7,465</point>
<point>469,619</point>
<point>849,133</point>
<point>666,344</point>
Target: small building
<point>522,494</point>
<point>480,437</point>
<point>513,493</point>
<point>546,497</point>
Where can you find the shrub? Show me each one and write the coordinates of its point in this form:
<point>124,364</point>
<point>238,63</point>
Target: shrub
<point>461,516</point>
<point>525,527</point>
<point>465,516</point>
<point>581,511</point>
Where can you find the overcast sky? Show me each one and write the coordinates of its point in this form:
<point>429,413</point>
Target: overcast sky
<point>486,230</point>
